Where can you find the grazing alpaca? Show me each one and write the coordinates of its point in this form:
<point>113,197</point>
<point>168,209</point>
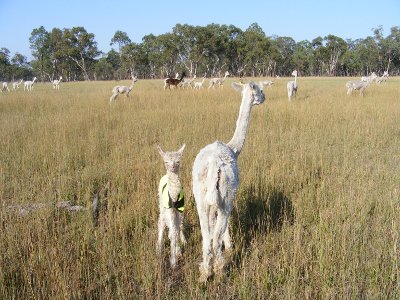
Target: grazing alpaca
<point>28,85</point>
<point>383,78</point>
<point>121,89</point>
<point>292,86</point>
<point>199,84</point>
<point>56,83</point>
<point>219,82</point>
<point>357,86</point>
<point>215,183</point>
<point>16,85</point>
<point>5,87</point>
<point>173,81</point>
<point>171,203</point>
<point>266,83</point>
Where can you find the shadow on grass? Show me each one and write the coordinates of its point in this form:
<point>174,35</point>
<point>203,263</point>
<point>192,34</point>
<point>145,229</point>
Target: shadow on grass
<point>261,210</point>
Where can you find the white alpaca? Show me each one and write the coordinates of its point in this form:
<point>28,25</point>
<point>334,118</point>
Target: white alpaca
<point>199,84</point>
<point>292,86</point>
<point>5,87</point>
<point>171,203</point>
<point>218,82</point>
<point>383,78</point>
<point>121,89</point>
<point>16,85</point>
<point>215,183</point>
<point>369,78</point>
<point>56,83</point>
<point>28,85</point>
<point>266,83</point>
<point>357,86</point>
<point>187,82</point>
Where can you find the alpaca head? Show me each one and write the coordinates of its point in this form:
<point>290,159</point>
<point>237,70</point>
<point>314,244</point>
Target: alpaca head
<point>227,73</point>
<point>294,73</point>
<point>252,88</point>
<point>134,79</point>
<point>172,159</point>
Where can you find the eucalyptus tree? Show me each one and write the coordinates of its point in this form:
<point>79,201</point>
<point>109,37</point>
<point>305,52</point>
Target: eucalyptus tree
<point>81,48</point>
<point>40,45</point>
<point>4,64</point>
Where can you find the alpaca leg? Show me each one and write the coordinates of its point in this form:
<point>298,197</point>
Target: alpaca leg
<point>227,239</point>
<point>219,231</point>
<point>161,227</point>
<point>182,236</point>
<point>205,269</point>
<point>173,236</point>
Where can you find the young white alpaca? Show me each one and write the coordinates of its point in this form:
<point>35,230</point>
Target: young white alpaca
<point>383,78</point>
<point>16,85</point>
<point>215,183</point>
<point>121,89</point>
<point>56,83</point>
<point>219,82</point>
<point>292,86</point>
<point>5,87</point>
<point>171,203</point>
<point>28,85</point>
<point>357,86</point>
<point>199,84</point>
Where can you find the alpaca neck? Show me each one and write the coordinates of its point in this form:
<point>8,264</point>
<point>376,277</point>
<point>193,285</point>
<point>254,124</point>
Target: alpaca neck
<point>223,79</point>
<point>174,184</point>
<point>295,79</point>
<point>237,141</point>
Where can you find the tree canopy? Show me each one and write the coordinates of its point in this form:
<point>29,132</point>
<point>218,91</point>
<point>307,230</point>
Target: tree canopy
<point>200,50</point>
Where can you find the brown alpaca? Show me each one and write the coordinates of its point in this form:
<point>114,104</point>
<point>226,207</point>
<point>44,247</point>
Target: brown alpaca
<point>173,81</point>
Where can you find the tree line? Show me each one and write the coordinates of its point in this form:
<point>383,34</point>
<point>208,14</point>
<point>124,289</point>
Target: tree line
<point>200,50</point>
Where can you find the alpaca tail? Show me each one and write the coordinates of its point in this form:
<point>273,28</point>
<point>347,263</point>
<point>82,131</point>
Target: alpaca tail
<point>213,177</point>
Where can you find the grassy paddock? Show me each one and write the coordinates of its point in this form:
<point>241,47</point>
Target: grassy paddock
<point>317,213</point>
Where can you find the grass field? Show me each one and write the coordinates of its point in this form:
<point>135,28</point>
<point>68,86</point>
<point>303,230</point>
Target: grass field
<point>317,214</point>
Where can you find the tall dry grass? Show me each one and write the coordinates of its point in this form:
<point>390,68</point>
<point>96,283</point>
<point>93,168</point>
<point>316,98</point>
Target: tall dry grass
<point>317,214</point>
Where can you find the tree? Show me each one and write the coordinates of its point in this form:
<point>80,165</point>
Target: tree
<point>81,48</point>
<point>121,38</point>
<point>40,45</point>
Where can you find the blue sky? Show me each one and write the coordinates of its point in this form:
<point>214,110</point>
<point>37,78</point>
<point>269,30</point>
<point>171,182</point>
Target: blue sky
<point>303,19</point>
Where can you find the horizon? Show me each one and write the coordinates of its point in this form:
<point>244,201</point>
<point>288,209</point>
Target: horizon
<point>354,22</point>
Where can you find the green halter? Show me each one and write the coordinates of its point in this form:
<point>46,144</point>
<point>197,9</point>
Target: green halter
<point>166,198</point>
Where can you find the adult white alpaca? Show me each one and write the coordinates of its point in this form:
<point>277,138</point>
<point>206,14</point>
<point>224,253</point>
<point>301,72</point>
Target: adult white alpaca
<point>369,78</point>
<point>218,82</point>
<point>199,84</point>
<point>5,87</point>
<point>292,86</point>
<point>121,89</point>
<point>28,85</point>
<point>16,85</point>
<point>56,83</point>
<point>357,86</point>
<point>215,183</point>
<point>383,78</point>
<point>171,203</point>
<point>187,82</point>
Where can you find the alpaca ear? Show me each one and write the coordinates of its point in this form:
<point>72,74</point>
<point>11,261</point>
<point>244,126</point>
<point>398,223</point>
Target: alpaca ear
<point>162,153</point>
<point>237,86</point>
<point>182,148</point>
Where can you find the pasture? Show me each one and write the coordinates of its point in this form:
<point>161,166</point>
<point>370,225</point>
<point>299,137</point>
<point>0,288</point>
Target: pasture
<point>317,214</point>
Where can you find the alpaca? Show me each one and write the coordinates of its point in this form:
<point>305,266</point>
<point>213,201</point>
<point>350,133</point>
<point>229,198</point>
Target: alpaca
<point>215,182</point>
<point>266,83</point>
<point>173,81</point>
<point>292,86</point>
<point>383,78</point>
<point>171,203</point>
<point>219,82</point>
<point>188,82</point>
<point>121,89</point>
<point>357,85</point>
<point>16,85</point>
<point>28,85</point>
<point>5,87</point>
<point>370,78</point>
<point>199,84</point>
<point>56,83</point>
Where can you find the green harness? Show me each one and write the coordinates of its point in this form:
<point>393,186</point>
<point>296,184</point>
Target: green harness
<point>166,198</point>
